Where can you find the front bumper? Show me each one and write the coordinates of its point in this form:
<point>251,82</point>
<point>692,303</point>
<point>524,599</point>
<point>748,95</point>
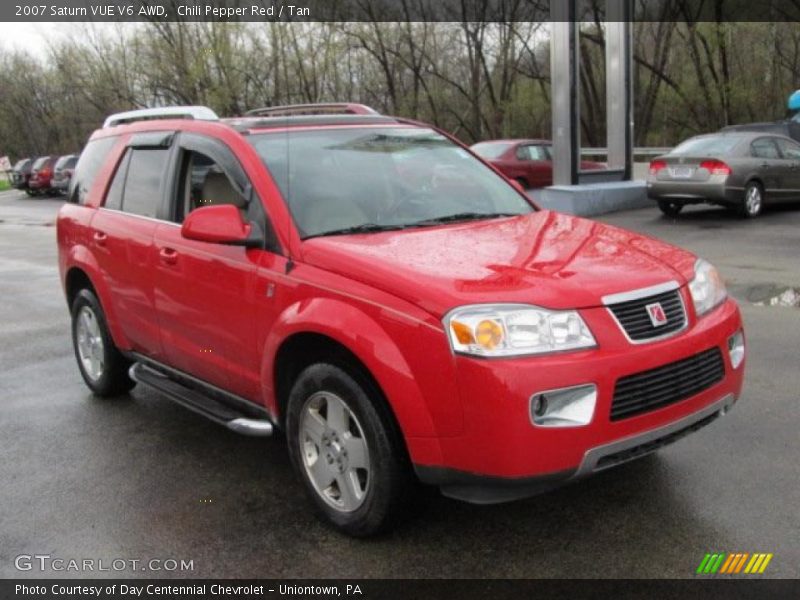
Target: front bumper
<point>491,490</point>
<point>502,455</point>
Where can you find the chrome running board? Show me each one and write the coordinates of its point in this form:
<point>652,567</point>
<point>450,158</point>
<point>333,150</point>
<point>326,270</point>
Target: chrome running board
<point>212,403</point>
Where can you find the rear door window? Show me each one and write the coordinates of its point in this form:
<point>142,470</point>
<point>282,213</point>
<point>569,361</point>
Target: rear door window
<point>764,148</point>
<point>143,182</point>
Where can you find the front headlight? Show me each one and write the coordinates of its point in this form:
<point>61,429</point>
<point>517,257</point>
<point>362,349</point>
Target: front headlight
<point>707,287</point>
<point>515,329</point>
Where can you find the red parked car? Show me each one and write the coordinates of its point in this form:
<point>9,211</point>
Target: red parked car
<point>280,272</point>
<point>529,162</point>
<point>41,175</point>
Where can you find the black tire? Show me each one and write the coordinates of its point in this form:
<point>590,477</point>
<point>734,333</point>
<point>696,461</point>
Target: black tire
<point>390,483</point>
<point>752,200</point>
<point>670,208</point>
<point>30,192</point>
<point>523,182</point>
<point>112,378</point>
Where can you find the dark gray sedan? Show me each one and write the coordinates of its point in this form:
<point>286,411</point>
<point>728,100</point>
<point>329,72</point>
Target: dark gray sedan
<point>741,170</point>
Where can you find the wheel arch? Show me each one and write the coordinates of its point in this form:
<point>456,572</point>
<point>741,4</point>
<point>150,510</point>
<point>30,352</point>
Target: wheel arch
<point>82,272</point>
<point>327,329</point>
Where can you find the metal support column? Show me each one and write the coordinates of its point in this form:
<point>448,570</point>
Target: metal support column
<point>619,86</point>
<point>564,82</point>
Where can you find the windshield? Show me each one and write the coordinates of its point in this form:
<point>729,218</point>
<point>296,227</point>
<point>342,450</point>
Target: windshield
<point>22,164</point>
<point>709,145</point>
<point>351,180</point>
<point>491,149</point>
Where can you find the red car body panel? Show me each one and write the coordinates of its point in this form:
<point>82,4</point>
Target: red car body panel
<point>40,178</point>
<point>382,296</point>
<point>548,259</point>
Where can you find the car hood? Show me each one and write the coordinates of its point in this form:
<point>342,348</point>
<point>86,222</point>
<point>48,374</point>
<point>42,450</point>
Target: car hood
<point>545,258</point>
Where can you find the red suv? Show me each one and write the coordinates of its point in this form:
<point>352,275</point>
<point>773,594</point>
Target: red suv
<point>388,300</point>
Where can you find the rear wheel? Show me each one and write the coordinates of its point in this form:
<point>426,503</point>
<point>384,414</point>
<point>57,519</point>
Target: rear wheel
<point>103,367</point>
<point>523,182</point>
<point>30,192</point>
<point>753,200</point>
<point>346,451</point>
<point>670,208</point>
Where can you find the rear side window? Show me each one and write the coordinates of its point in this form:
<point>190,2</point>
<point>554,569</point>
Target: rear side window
<point>142,195</point>
<point>92,158</point>
<point>764,148</point>
<point>114,195</point>
<point>40,162</point>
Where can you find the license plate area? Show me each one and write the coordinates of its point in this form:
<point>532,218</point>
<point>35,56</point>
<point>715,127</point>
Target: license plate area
<point>681,172</point>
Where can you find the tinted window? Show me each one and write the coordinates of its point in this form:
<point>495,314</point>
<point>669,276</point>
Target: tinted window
<point>114,195</point>
<point>764,148</point>
<point>92,158</point>
<point>708,145</point>
<point>789,149</point>
<point>491,149</point>
<point>143,182</point>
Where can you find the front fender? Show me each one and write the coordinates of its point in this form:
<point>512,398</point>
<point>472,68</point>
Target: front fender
<point>417,382</point>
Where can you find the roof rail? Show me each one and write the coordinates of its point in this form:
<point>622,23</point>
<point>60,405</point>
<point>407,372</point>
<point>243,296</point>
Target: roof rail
<point>201,113</point>
<point>331,108</point>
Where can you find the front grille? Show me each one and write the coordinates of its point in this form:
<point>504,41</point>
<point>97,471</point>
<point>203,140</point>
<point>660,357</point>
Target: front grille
<point>635,320</point>
<point>648,390</point>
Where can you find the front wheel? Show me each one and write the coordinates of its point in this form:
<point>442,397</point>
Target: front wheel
<point>346,451</point>
<point>753,200</point>
<point>670,208</point>
<point>103,367</point>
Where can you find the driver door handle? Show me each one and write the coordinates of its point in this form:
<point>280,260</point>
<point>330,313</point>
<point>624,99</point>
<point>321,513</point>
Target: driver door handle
<point>168,255</point>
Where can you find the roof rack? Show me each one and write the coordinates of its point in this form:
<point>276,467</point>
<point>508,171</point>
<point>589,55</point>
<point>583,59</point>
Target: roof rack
<point>201,113</point>
<point>331,108</point>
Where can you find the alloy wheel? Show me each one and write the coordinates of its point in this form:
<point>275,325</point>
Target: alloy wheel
<point>91,348</point>
<point>334,451</point>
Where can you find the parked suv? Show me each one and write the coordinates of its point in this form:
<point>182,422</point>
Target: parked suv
<point>21,173</point>
<point>62,173</point>
<point>279,271</point>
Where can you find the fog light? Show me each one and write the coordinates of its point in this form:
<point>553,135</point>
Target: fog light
<point>566,407</point>
<point>736,348</point>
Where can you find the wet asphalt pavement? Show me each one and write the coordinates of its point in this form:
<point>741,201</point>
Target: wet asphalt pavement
<point>138,477</point>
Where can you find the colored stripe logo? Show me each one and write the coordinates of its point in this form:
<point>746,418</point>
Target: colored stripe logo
<point>734,563</point>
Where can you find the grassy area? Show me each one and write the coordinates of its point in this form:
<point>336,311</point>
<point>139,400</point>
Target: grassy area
<point>4,185</point>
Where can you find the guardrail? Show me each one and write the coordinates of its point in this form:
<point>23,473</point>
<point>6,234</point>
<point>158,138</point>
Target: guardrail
<point>637,151</point>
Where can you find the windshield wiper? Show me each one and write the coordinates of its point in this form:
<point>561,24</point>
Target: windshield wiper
<point>363,228</point>
<point>464,216</point>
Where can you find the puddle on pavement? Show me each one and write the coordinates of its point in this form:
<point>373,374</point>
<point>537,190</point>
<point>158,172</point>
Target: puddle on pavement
<point>768,294</point>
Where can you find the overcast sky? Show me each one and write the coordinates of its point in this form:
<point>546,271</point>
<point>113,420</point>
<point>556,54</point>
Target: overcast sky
<point>35,36</point>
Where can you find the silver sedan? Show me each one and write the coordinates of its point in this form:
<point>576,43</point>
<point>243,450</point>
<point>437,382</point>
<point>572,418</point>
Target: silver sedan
<point>740,170</point>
